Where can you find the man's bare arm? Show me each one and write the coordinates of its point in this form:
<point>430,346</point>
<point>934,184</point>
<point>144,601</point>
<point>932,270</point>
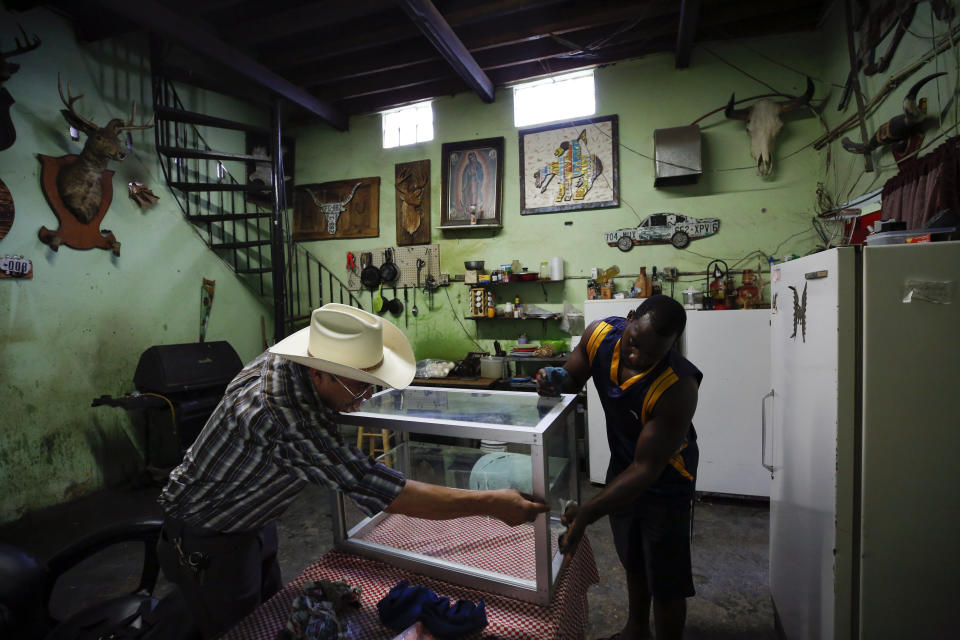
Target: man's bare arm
<point>577,367</point>
<point>434,502</point>
<point>662,436</point>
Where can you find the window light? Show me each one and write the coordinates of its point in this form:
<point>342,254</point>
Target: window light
<point>408,125</point>
<point>557,98</point>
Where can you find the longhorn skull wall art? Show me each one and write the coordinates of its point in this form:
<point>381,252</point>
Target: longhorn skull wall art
<point>79,188</point>
<point>905,131</point>
<point>764,123</point>
<point>340,209</point>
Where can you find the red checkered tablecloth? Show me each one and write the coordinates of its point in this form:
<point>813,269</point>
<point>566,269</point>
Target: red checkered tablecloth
<point>565,617</point>
<point>474,541</point>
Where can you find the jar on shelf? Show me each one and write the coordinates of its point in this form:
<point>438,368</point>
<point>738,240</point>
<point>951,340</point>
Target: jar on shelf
<point>544,270</point>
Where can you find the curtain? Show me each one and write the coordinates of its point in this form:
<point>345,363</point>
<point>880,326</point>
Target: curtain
<point>924,186</point>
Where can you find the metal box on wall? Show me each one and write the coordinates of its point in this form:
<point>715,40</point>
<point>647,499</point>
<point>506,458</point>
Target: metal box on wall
<point>530,446</point>
<point>677,159</point>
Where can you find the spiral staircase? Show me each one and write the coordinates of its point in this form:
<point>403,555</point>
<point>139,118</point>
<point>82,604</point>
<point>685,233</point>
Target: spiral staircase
<point>244,221</point>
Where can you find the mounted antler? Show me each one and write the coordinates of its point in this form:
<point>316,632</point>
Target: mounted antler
<point>7,69</point>
<point>763,124</point>
<point>83,185</point>
<point>899,129</point>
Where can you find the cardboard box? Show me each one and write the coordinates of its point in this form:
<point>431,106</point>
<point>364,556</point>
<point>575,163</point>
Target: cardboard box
<point>470,276</point>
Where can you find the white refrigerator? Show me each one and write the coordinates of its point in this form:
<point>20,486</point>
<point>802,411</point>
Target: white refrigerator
<point>861,438</point>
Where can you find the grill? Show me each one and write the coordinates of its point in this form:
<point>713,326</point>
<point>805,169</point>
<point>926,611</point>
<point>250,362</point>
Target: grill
<point>187,380</point>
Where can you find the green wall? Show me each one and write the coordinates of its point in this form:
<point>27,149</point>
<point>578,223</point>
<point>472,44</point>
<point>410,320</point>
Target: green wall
<point>76,330</point>
<point>646,94</point>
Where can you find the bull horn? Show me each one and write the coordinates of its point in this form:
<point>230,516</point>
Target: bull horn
<point>735,114</point>
<point>799,101</point>
<point>913,113</point>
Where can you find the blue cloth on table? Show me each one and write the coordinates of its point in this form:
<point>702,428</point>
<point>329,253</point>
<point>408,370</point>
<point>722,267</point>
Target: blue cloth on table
<point>405,604</point>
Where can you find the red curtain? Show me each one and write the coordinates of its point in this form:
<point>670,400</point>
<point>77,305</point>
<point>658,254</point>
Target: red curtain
<point>924,186</point>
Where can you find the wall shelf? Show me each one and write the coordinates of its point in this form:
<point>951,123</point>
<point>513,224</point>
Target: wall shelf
<point>469,226</point>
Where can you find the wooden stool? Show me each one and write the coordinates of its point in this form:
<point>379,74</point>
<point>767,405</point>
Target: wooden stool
<point>375,443</point>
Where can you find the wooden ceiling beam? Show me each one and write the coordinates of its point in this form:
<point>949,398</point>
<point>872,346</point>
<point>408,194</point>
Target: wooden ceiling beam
<point>689,12</point>
<point>339,84</point>
<point>378,101</point>
<point>283,25</point>
<point>522,27</point>
<point>156,18</point>
<point>426,17</point>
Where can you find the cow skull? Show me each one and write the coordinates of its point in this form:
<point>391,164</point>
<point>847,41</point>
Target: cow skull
<point>763,124</point>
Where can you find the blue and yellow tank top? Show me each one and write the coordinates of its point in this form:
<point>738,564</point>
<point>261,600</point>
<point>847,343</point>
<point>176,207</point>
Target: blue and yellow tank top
<point>628,405</point>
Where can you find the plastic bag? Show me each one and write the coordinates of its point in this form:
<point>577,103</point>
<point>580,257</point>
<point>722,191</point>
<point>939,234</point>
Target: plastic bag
<point>571,320</point>
<point>433,368</point>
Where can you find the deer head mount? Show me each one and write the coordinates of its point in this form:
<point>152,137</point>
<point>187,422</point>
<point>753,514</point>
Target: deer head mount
<point>764,123</point>
<point>7,133</point>
<point>80,186</point>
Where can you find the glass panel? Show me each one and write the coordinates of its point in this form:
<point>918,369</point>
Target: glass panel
<point>511,409</point>
<point>478,542</point>
<point>562,476</point>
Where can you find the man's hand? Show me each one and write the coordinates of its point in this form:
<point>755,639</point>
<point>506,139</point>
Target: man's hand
<point>550,381</point>
<point>575,529</point>
<point>510,506</point>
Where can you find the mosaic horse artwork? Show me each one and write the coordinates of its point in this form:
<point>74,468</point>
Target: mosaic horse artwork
<point>575,166</point>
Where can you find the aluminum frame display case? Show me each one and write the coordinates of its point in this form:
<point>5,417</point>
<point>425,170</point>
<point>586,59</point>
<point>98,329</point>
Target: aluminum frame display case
<point>471,440</point>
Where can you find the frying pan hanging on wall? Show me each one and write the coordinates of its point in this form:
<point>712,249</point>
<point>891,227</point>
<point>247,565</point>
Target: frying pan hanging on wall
<point>370,276</point>
<point>388,270</point>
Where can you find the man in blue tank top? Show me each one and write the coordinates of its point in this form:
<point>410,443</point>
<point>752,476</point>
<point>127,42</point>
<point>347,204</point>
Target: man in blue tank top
<point>649,394</point>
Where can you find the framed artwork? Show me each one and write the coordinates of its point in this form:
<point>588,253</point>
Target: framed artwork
<point>261,173</point>
<point>412,183</point>
<point>570,166</point>
<point>339,209</point>
<point>472,182</point>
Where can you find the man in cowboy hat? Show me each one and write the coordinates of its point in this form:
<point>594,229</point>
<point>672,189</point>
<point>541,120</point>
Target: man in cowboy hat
<point>272,433</point>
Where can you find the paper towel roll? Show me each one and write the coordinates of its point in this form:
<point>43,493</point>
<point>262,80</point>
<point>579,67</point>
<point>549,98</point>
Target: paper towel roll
<point>556,268</point>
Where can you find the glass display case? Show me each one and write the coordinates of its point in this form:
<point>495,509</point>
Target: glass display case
<point>471,440</point>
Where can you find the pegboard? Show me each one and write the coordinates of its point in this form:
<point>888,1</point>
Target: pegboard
<point>406,260</point>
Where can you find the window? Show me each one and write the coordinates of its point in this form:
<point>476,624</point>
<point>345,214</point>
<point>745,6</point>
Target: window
<point>408,125</point>
<point>558,98</point>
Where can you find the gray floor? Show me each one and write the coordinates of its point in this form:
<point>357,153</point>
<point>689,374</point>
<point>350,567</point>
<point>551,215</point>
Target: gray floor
<point>729,557</point>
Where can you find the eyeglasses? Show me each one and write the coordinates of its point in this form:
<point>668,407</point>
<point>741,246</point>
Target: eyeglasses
<point>355,396</point>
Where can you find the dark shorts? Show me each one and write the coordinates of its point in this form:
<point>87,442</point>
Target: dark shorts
<point>652,537</point>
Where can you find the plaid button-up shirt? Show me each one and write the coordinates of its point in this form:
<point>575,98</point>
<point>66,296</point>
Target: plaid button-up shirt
<point>269,436</point>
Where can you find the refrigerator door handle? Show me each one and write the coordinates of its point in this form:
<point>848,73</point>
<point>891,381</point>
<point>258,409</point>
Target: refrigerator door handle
<point>763,433</point>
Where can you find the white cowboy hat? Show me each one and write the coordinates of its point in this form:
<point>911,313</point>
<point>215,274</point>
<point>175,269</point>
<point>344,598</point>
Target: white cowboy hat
<point>352,343</point>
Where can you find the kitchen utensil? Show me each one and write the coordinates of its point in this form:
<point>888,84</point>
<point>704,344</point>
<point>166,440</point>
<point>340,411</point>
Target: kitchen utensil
<point>395,306</point>
<point>473,265</point>
<point>406,320</point>
<point>420,264</point>
<point>370,276</point>
<point>388,270</point>
<point>351,261</point>
<point>378,301</point>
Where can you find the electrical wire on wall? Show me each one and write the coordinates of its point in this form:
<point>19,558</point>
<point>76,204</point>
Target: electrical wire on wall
<point>456,317</point>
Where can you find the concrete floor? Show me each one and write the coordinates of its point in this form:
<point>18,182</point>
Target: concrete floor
<point>729,558</point>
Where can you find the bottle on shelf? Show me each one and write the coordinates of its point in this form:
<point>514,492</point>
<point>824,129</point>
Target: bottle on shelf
<point>657,287</point>
<point>544,270</point>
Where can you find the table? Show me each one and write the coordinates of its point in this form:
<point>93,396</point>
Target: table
<point>565,616</point>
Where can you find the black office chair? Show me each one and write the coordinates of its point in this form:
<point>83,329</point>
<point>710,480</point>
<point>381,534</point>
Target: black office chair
<point>26,587</point>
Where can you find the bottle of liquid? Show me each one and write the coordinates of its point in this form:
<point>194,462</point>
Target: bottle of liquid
<point>644,282</point>
<point>544,270</point>
<point>657,287</point>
